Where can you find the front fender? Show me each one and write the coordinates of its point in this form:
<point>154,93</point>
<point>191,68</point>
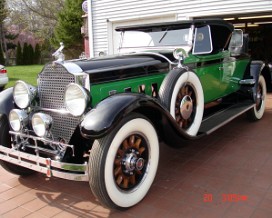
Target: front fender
<point>108,113</point>
<point>6,101</point>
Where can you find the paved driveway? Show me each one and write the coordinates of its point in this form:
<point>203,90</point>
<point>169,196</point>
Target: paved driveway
<point>226,174</point>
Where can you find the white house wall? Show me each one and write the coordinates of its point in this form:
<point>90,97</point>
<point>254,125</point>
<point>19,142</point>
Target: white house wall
<point>106,13</point>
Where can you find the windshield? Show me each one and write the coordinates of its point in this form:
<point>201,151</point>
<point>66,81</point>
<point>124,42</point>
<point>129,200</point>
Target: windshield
<point>155,38</point>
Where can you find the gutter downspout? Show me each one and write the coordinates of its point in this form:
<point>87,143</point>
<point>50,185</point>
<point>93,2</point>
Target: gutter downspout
<point>90,29</point>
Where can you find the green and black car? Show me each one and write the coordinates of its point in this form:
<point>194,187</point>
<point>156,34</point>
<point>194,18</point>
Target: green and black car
<point>101,120</point>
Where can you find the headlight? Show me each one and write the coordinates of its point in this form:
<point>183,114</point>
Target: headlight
<point>41,124</point>
<point>17,119</point>
<point>75,99</point>
<point>23,94</point>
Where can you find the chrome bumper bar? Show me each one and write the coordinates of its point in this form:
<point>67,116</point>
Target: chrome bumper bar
<point>76,172</point>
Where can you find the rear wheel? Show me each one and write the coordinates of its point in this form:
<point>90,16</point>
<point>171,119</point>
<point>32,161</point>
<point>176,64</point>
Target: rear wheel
<point>123,164</point>
<point>256,113</point>
<point>5,140</point>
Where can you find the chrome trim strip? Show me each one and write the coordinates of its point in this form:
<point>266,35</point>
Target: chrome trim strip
<point>155,54</point>
<point>78,73</point>
<point>44,165</point>
<point>62,111</point>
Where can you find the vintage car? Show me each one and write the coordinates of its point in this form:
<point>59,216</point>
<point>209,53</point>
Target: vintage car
<point>3,77</point>
<point>101,120</point>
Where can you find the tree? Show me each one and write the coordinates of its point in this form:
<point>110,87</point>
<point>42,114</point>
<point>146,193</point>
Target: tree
<point>3,15</point>
<point>68,29</point>
<point>25,54</point>
<point>2,59</point>
<point>36,16</point>
<point>19,54</point>
<point>30,54</point>
<point>37,54</point>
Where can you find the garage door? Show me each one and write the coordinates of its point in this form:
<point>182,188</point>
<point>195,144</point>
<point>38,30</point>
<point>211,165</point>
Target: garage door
<point>259,28</point>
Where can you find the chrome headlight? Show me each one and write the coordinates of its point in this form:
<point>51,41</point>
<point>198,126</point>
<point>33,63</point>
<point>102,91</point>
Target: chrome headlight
<point>76,99</point>
<point>41,124</point>
<point>18,119</point>
<point>23,94</point>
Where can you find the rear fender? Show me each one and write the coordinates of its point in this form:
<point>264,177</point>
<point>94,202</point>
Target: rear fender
<point>256,68</point>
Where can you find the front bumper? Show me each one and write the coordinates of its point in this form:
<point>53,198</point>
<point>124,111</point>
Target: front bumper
<point>76,172</point>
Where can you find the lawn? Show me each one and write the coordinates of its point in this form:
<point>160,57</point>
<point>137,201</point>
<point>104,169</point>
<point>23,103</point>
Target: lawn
<point>25,73</point>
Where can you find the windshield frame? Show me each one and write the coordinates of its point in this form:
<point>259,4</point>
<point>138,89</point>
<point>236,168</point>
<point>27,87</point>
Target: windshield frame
<point>164,32</point>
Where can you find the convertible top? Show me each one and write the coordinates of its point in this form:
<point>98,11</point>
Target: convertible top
<point>179,24</point>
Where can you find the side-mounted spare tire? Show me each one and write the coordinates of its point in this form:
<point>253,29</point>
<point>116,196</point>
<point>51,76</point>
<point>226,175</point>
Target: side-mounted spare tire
<point>182,94</point>
<point>5,140</point>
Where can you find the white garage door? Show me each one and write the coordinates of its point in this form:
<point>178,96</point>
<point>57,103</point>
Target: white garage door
<point>114,37</point>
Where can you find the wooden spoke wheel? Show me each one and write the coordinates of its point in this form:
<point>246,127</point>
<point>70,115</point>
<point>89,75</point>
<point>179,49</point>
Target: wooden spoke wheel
<point>130,162</point>
<point>123,164</point>
<point>185,106</point>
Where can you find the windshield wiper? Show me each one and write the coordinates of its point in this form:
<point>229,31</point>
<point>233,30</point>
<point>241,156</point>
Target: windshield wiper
<point>165,33</point>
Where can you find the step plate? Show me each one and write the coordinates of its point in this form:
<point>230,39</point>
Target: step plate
<point>223,117</point>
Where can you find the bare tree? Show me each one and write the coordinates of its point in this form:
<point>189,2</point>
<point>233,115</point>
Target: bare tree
<point>3,15</point>
<point>37,16</point>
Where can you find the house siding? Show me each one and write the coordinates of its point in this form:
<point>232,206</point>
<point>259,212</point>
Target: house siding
<point>104,12</point>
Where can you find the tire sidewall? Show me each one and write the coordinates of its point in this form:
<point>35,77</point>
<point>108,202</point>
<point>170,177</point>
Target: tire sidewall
<point>119,197</point>
<point>193,80</point>
<point>259,113</point>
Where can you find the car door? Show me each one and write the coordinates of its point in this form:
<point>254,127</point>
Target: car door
<point>209,65</point>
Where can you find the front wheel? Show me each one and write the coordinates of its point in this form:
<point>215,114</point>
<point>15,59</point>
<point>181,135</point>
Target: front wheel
<point>256,113</point>
<point>123,164</point>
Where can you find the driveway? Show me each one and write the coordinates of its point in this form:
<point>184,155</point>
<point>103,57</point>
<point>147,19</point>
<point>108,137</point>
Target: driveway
<point>227,174</point>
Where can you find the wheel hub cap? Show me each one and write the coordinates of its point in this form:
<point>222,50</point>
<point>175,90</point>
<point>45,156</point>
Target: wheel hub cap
<point>186,107</point>
<point>132,162</point>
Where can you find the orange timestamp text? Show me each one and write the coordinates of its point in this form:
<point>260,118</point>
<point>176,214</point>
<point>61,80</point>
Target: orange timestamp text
<point>226,198</point>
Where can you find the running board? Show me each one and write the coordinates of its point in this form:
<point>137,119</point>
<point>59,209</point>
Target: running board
<point>223,117</point>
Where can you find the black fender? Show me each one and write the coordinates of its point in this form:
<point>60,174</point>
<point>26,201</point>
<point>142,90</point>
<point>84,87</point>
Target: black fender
<point>108,113</point>
<point>6,101</point>
<point>256,68</point>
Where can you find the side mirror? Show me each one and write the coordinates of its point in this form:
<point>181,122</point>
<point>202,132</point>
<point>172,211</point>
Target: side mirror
<point>236,42</point>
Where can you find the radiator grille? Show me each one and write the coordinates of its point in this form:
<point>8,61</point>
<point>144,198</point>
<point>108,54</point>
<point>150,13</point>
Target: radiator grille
<point>63,125</point>
<point>52,83</point>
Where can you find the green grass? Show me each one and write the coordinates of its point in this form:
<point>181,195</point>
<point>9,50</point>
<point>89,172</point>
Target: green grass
<point>25,73</point>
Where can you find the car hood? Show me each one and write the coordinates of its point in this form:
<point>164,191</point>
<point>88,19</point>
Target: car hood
<point>125,66</point>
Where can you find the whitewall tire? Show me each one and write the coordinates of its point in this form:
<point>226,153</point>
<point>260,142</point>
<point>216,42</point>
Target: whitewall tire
<point>256,113</point>
<point>123,164</point>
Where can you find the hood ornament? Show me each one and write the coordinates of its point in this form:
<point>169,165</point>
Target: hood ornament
<point>58,55</point>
